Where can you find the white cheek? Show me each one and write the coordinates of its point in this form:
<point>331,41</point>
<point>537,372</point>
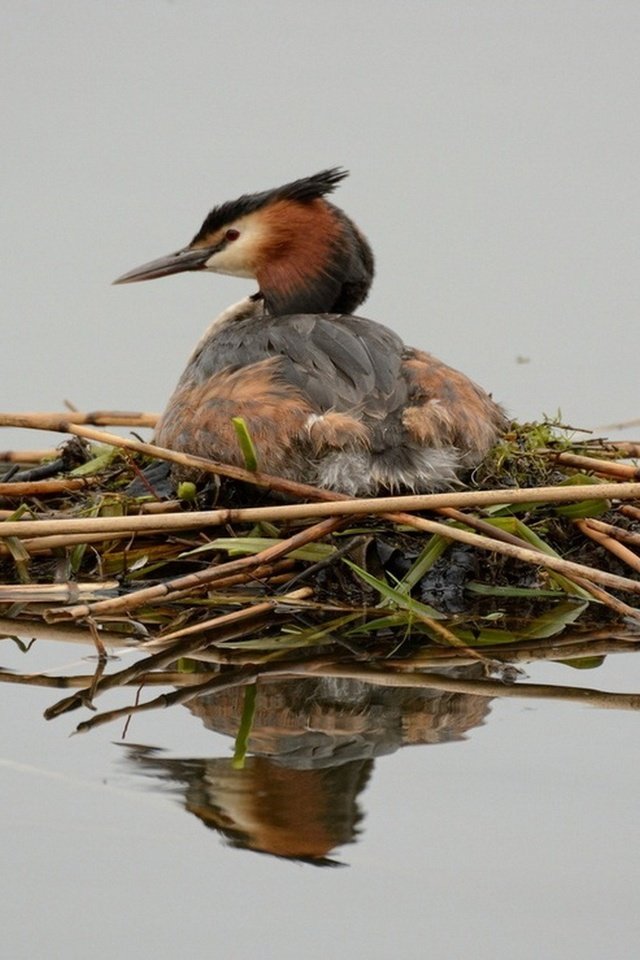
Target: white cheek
<point>230,261</point>
<point>238,257</point>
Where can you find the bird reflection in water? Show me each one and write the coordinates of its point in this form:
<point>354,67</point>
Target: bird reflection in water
<point>312,749</point>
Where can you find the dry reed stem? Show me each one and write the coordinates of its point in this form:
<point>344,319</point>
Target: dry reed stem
<point>63,633</point>
<point>40,545</point>
<point>47,544</point>
<point>618,606</point>
<point>528,554</point>
<point>622,448</point>
<point>613,546</point>
<point>373,675</point>
<point>623,609</point>
<point>481,688</point>
<point>555,649</point>
<point>224,620</point>
<point>451,640</point>
<point>162,591</point>
<point>340,506</point>
<point>69,592</point>
<point>81,681</point>
<point>262,574</point>
<point>45,488</point>
<point>159,506</point>
<point>617,533</point>
<point>606,468</point>
<point>35,420</point>
<point>27,456</point>
<point>65,425</point>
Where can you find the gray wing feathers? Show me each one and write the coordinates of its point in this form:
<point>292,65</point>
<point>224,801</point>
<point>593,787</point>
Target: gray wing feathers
<point>340,362</point>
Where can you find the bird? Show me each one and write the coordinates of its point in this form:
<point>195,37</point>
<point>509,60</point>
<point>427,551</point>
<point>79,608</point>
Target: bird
<point>329,398</point>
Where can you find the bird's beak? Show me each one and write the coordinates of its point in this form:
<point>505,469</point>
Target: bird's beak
<point>186,259</point>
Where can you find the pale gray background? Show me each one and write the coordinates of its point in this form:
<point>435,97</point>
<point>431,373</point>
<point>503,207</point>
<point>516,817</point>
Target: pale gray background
<point>494,156</point>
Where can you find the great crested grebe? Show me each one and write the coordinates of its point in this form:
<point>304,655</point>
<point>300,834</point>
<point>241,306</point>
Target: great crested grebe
<point>328,398</point>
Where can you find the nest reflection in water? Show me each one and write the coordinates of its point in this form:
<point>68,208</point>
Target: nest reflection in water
<point>306,726</point>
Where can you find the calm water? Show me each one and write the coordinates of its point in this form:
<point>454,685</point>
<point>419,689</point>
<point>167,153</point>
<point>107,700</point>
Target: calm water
<point>458,824</point>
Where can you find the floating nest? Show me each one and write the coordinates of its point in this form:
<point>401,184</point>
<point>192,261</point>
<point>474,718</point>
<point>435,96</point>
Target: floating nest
<point>244,576</point>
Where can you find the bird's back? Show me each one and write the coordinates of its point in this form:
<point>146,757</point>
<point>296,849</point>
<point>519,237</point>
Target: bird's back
<point>331,399</point>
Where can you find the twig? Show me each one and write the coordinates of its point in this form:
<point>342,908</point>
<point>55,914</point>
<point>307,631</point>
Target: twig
<point>339,506</point>
<point>627,448</point>
<point>65,425</point>
<point>607,468</point>
<point>617,533</point>
<point>223,620</point>
<point>613,546</point>
<point>26,456</point>
<point>105,418</point>
<point>597,593</point>
<point>527,554</point>
<point>69,592</point>
<point>240,677</point>
<point>45,488</point>
<point>624,425</point>
<point>481,688</point>
<point>187,645</point>
<point>163,591</point>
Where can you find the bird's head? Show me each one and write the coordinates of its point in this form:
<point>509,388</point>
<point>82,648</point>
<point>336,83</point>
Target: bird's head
<point>306,255</point>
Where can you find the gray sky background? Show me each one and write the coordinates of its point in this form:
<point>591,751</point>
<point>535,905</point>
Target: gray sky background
<point>493,148</point>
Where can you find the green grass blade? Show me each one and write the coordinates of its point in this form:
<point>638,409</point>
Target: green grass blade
<point>519,529</point>
<point>583,508</point>
<point>244,730</point>
<point>246,444</point>
<point>497,590</point>
<point>424,562</point>
<point>395,596</point>
<point>239,546</point>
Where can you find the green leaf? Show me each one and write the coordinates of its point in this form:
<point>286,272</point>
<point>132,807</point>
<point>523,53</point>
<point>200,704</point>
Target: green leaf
<point>395,596</point>
<point>289,639</point>
<point>238,546</point>
<point>519,529</point>
<point>104,457</point>
<point>495,590</point>
<point>423,563</point>
<point>583,663</point>
<point>245,443</point>
<point>21,557</point>
<point>583,508</point>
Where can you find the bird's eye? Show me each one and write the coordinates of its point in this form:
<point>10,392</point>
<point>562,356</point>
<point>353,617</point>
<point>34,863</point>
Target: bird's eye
<point>232,234</point>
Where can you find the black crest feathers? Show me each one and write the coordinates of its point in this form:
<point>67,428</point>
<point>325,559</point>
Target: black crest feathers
<point>303,190</point>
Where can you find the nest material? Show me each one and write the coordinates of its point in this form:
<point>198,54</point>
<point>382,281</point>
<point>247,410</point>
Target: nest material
<point>150,547</point>
<point>225,583</point>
